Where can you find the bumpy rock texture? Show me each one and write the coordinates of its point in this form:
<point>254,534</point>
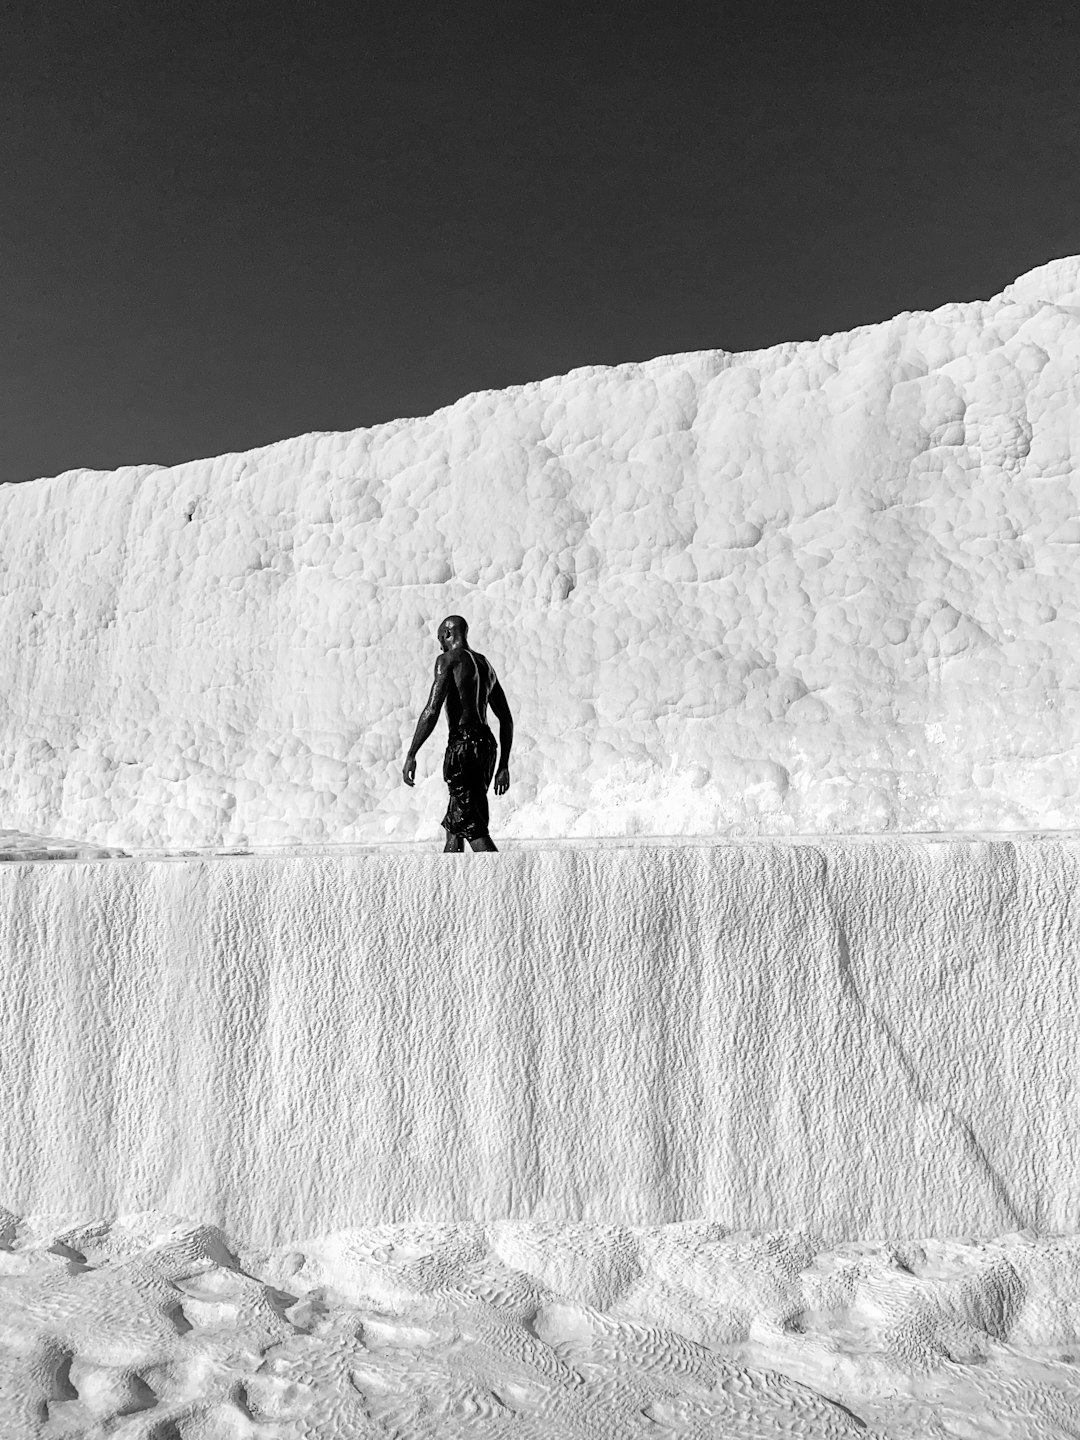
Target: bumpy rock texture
<point>152,1326</point>
<point>867,1038</point>
<point>827,587</point>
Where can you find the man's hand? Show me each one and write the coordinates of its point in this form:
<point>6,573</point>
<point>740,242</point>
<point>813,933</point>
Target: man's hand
<point>408,770</point>
<point>502,780</point>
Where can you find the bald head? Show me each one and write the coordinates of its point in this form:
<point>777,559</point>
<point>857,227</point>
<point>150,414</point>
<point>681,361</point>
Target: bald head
<point>453,631</point>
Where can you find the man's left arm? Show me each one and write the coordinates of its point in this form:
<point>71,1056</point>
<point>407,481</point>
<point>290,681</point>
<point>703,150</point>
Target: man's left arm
<point>428,716</point>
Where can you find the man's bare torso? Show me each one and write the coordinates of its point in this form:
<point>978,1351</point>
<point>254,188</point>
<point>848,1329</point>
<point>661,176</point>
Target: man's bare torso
<point>472,681</point>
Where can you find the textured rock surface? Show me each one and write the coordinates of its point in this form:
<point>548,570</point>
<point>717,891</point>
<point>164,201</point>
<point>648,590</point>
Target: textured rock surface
<point>829,586</point>
<point>866,1038</point>
<point>152,1326</point>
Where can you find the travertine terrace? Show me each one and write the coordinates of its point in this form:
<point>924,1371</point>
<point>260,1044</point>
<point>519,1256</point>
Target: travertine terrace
<point>828,587</point>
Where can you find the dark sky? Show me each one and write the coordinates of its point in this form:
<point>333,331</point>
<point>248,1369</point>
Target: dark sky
<point>224,224</point>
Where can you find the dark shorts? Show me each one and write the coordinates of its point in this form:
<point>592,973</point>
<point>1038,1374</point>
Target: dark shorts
<point>467,770</point>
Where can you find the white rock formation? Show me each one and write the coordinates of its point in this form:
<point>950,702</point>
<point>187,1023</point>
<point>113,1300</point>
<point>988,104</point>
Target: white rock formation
<point>827,587</point>
<point>866,1038</point>
<point>148,1325</point>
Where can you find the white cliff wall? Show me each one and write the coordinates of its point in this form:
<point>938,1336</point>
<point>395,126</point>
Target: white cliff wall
<point>866,1038</point>
<point>825,587</point>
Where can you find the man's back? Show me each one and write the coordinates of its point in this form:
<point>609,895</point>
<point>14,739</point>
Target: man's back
<point>474,679</point>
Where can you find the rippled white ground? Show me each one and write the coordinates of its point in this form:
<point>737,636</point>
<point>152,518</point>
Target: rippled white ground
<point>155,1327</point>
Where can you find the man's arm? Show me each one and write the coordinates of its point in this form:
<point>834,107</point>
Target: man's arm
<point>497,701</point>
<point>429,715</point>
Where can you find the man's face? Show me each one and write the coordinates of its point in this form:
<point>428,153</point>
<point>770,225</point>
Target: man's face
<point>447,635</point>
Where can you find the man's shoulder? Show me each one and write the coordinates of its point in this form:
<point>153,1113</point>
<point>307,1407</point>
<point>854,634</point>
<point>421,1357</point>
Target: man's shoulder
<point>461,657</point>
<point>485,666</point>
<point>457,658</point>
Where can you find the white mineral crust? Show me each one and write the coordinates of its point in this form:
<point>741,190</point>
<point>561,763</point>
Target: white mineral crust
<point>822,588</point>
<point>866,1037</point>
<point>503,1165</point>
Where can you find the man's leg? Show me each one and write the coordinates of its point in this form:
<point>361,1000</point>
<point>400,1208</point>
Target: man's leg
<point>483,842</point>
<point>455,845</point>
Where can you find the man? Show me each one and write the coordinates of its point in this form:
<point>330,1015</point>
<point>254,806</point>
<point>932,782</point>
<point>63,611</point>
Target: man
<point>467,682</point>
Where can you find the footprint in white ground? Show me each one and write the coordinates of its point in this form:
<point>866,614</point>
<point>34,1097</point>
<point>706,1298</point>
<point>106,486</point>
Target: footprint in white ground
<point>107,1391</point>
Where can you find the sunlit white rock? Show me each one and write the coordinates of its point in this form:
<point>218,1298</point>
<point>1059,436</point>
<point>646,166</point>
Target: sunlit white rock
<point>867,1037</point>
<point>829,586</point>
<point>149,1324</point>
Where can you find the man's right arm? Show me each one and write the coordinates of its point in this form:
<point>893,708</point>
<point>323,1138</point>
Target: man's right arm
<point>497,701</point>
